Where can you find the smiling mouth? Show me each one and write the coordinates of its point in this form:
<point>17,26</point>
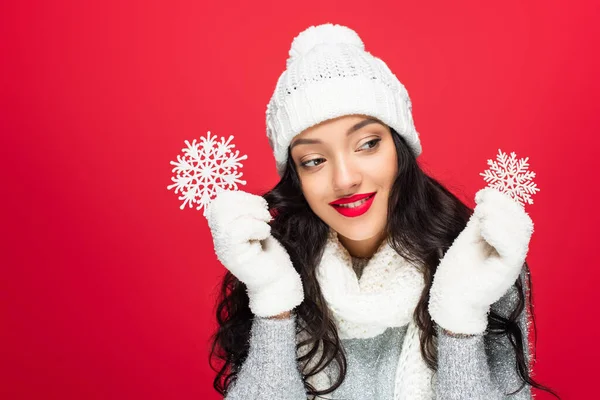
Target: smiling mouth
<point>354,204</point>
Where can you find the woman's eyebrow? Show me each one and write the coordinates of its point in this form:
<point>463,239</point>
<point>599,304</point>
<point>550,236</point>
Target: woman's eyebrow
<point>352,129</point>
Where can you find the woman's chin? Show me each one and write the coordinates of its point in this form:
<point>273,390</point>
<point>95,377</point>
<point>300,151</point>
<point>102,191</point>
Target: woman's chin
<point>359,231</point>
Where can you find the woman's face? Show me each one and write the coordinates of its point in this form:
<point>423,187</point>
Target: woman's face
<point>347,156</point>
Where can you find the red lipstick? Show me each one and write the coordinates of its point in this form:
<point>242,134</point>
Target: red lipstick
<point>352,199</point>
<point>356,210</point>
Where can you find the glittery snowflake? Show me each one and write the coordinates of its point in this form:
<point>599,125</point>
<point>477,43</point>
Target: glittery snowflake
<point>511,176</point>
<point>204,169</point>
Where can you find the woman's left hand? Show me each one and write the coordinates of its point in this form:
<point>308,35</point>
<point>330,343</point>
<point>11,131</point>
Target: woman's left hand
<point>483,262</point>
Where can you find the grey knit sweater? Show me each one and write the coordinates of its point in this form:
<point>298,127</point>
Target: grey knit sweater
<point>478,367</point>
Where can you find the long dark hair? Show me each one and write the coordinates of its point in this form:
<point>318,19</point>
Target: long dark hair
<point>424,219</point>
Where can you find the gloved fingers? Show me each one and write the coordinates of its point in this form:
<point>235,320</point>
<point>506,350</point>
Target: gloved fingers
<point>272,245</point>
<point>262,262</point>
<point>498,277</point>
<point>468,241</point>
<point>229,205</point>
<point>491,195</point>
<point>248,229</point>
<point>506,226</point>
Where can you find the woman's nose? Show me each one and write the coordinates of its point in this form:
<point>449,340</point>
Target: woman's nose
<point>345,176</point>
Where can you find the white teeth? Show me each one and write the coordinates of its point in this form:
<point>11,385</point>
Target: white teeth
<point>355,204</point>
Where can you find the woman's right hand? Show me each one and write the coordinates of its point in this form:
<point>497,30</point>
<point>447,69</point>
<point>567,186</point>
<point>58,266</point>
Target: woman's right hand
<point>239,224</point>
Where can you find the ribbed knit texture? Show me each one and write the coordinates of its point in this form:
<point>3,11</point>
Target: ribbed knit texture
<point>385,296</point>
<point>329,74</point>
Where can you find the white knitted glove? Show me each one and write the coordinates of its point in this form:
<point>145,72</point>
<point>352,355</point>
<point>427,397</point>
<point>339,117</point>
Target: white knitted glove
<point>243,243</point>
<point>483,262</point>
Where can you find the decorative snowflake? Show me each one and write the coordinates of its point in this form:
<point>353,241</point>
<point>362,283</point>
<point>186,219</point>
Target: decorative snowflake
<point>205,169</point>
<point>511,176</point>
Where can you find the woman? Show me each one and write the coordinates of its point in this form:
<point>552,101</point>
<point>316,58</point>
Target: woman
<point>368,278</point>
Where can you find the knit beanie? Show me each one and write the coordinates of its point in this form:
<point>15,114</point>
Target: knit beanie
<point>328,75</point>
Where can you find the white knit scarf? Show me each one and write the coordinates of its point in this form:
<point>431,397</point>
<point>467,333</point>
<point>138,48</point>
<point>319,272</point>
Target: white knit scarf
<point>385,296</point>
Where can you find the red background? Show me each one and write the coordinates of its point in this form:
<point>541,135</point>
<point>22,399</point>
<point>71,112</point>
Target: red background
<point>108,288</point>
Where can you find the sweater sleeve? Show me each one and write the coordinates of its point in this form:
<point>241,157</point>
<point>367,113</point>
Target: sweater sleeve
<point>270,371</point>
<point>483,366</point>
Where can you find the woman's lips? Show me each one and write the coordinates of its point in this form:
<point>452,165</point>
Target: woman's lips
<point>357,210</point>
<point>352,199</point>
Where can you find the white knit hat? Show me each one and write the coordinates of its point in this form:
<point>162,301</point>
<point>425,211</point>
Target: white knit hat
<point>329,74</point>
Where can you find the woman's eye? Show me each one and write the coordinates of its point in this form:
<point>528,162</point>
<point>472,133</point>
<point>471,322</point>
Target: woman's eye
<point>372,143</point>
<point>306,163</point>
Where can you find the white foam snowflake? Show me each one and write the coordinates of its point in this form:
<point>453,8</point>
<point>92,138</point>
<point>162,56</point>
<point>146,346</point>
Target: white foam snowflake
<point>511,176</point>
<point>204,169</point>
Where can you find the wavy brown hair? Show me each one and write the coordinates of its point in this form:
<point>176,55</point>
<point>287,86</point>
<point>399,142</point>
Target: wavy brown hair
<point>424,219</point>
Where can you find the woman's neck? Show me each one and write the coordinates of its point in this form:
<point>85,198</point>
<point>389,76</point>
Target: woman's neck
<point>362,248</point>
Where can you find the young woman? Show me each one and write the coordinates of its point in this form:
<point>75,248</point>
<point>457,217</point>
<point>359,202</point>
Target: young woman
<point>358,276</point>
